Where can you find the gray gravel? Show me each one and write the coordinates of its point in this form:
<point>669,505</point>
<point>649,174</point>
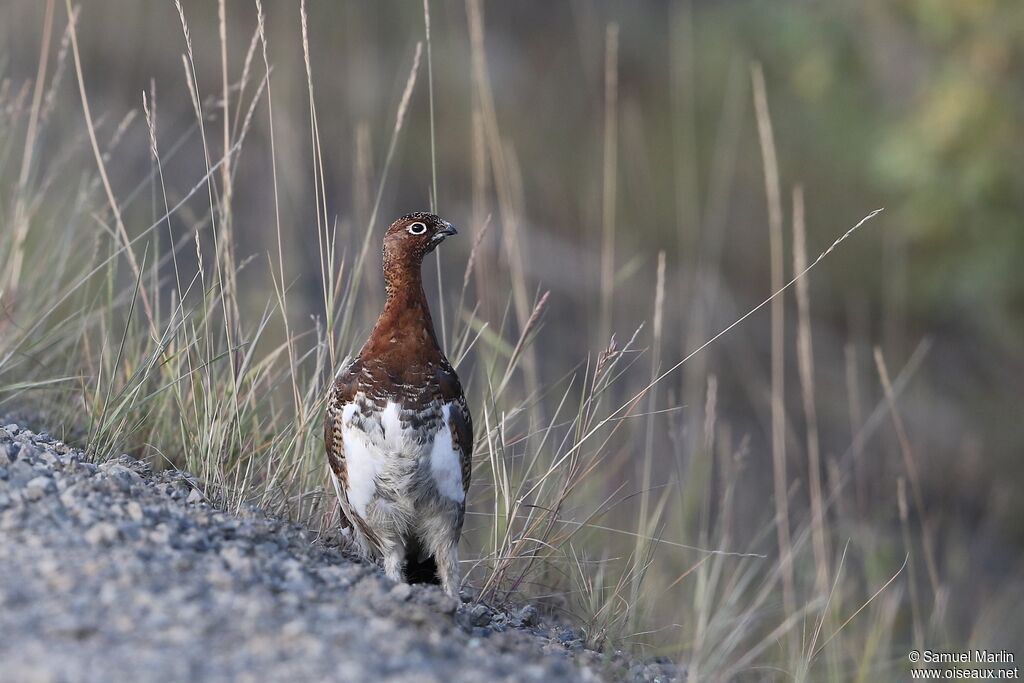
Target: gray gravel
<point>109,573</point>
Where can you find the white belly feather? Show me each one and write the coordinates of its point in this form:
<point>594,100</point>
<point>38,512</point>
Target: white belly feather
<point>368,455</point>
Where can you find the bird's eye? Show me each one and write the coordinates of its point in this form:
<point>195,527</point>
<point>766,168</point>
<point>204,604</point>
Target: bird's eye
<point>417,228</point>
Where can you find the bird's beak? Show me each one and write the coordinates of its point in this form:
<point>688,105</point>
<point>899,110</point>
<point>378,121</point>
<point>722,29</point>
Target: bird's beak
<point>444,232</point>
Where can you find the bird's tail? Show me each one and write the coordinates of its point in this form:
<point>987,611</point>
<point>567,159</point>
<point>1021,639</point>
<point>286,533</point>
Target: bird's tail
<point>420,566</point>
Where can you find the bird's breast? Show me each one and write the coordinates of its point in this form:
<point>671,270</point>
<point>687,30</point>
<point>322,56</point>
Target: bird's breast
<point>392,449</point>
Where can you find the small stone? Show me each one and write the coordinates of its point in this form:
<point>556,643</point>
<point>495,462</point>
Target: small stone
<point>528,615</point>
<point>134,511</point>
<point>67,496</point>
<point>181,563</point>
<point>293,629</point>
<point>87,467</point>
<point>445,604</point>
<point>8,453</point>
<point>235,558</point>
<point>39,487</point>
<point>401,591</point>
<point>194,497</point>
<point>102,533</point>
<point>575,645</point>
<point>48,457</point>
<point>638,672</point>
<point>479,615</point>
<point>120,473</point>
<point>567,635</point>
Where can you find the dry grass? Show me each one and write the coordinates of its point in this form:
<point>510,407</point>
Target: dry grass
<point>138,337</point>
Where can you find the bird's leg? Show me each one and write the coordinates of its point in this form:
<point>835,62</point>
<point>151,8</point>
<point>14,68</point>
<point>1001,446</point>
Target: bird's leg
<point>394,560</point>
<point>446,556</point>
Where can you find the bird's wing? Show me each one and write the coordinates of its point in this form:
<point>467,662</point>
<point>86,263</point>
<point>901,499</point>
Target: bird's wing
<point>342,393</point>
<point>459,420</point>
<point>345,388</point>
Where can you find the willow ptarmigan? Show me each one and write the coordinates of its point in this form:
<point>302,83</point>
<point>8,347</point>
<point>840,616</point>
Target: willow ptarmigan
<point>398,431</point>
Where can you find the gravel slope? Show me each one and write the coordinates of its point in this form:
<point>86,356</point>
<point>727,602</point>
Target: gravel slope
<point>111,573</point>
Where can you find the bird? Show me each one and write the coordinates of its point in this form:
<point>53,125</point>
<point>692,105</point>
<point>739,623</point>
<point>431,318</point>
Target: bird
<point>398,431</point>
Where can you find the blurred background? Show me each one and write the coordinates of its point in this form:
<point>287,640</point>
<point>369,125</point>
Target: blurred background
<point>577,141</point>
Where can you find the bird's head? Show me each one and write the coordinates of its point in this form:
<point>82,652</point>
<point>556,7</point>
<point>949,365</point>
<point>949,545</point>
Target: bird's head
<point>412,237</point>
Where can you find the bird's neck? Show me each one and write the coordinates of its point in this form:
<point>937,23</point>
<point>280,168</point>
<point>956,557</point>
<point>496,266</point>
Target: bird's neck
<point>405,320</point>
